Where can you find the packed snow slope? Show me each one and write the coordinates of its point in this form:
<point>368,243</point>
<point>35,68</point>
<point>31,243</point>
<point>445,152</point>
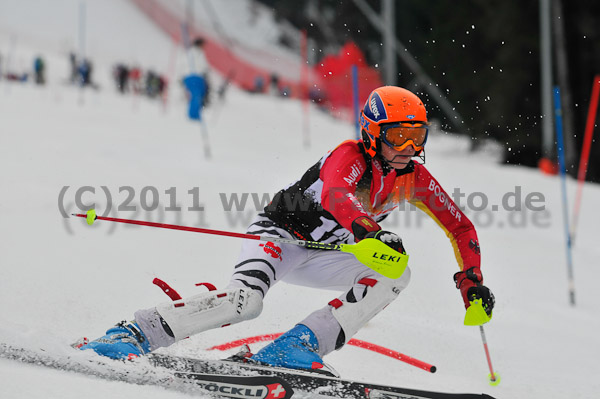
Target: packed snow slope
<point>61,279</point>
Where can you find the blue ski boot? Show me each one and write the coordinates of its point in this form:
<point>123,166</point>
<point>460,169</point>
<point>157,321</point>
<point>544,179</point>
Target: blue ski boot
<point>123,341</point>
<point>296,349</point>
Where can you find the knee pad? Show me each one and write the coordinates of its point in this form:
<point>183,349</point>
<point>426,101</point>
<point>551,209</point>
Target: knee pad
<point>352,316</point>
<point>189,316</point>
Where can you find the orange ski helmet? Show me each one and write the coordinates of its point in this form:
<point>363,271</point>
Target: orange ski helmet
<point>394,116</point>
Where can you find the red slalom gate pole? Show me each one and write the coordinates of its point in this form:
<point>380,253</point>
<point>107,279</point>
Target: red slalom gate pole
<point>585,151</point>
<point>393,354</point>
<point>354,342</point>
<point>304,89</point>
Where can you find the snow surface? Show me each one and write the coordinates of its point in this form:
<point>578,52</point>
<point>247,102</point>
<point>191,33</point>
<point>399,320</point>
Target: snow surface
<point>61,279</point>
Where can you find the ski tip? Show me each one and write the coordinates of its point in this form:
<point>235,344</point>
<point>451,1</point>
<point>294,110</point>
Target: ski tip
<point>81,342</point>
<point>316,365</point>
<point>494,380</point>
<point>91,216</point>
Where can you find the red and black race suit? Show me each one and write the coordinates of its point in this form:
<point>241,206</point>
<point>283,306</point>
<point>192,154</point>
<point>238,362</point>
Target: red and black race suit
<point>347,184</point>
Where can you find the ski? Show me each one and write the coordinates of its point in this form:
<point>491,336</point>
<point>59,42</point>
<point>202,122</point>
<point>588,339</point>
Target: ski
<point>305,381</point>
<point>143,372</point>
<point>243,387</point>
<point>223,378</point>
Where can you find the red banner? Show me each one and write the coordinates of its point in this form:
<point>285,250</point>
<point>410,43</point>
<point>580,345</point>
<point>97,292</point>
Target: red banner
<point>328,84</point>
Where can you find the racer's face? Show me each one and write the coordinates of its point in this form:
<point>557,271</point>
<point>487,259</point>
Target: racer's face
<point>397,159</point>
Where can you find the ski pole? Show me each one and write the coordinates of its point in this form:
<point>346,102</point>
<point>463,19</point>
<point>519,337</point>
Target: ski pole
<point>371,252</point>
<point>494,377</point>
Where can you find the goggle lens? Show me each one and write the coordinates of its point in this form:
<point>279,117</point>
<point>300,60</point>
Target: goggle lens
<point>400,136</point>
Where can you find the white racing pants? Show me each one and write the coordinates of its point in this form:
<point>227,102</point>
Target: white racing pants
<point>262,264</point>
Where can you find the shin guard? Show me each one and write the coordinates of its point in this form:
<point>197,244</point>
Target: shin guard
<point>352,316</point>
<point>189,316</point>
<point>337,322</point>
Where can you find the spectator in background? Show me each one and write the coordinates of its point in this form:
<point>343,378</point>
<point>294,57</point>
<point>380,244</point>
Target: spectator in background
<point>196,82</point>
<point>153,84</point>
<point>162,86</point>
<point>121,76</point>
<point>259,84</point>
<point>198,66</point>
<point>39,69</point>
<point>277,89</point>
<point>85,73</point>
<point>274,85</point>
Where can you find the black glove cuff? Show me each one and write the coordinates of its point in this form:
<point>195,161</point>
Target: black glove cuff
<point>485,294</point>
<point>363,225</point>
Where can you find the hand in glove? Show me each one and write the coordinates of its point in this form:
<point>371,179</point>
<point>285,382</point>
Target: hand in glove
<point>392,240</point>
<point>363,225</point>
<point>470,283</point>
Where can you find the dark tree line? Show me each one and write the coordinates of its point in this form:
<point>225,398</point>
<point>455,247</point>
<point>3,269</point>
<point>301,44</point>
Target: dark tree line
<point>483,54</point>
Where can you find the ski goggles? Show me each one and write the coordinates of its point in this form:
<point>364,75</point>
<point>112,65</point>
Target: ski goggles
<point>399,136</point>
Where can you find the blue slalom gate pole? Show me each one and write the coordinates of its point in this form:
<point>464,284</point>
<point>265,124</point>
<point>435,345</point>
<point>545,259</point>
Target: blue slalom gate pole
<point>355,99</point>
<point>563,179</point>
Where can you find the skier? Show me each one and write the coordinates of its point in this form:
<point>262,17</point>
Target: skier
<point>340,199</point>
